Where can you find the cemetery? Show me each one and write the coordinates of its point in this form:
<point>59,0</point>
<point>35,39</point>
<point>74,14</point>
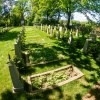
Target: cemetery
<point>51,57</point>
<point>45,57</point>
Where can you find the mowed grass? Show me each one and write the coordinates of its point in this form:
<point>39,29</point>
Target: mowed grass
<point>6,47</point>
<point>36,42</point>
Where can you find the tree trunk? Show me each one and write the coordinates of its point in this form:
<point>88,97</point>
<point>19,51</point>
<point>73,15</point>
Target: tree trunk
<point>58,16</point>
<point>68,22</point>
<point>69,14</point>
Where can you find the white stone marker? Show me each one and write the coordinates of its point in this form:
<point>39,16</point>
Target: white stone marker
<point>77,32</point>
<point>70,39</point>
<point>85,47</point>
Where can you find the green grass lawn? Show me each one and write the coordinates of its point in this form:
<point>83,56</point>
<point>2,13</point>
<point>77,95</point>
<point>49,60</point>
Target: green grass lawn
<point>43,47</point>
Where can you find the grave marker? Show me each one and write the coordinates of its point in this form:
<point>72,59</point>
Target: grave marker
<point>77,32</point>
<point>18,85</point>
<point>85,47</point>
<point>93,37</point>
<point>17,49</point>
<point>70,40</point>
<point>41,27</point>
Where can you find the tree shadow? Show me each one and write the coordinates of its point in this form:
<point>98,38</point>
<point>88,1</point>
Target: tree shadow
<point>9,36</point>
<point>46,95</point>
<point>8,95</point>
<point>26,95</point>
<point>73,55</point>
<point>78,97</point>
<point>93,93</point>
<point>39,53</point>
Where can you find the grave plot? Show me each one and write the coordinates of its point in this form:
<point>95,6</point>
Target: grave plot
<point>54,78</point>
<point>41,47</point>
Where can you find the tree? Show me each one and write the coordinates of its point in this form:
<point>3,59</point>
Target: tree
<point>18,12</point>
<point>86,7</point>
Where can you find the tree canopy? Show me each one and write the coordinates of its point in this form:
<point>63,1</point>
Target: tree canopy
<point>50,10</point>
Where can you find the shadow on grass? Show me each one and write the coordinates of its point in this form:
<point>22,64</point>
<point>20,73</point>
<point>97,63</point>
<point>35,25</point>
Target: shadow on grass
<point>9,36</point>
<point>73,55</point>
<point>32,69</point>
<point>93,93</point>
<point>53,94</point>
<point>39,53</point>
<point>8,95</point>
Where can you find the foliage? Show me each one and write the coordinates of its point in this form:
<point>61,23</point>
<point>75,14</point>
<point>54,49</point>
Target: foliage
<point>94,49</point>
<point>44,81</point>
<point>87,64</point>
<point>20,64</point>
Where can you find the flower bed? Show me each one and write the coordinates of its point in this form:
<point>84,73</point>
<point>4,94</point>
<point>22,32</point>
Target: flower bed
<point>53,78</point>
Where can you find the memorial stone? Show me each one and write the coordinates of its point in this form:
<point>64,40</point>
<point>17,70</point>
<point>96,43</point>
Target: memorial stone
<point>85,47</point>
<point>41,27</point>
<point>77,32</point>
<point>18,85</point>
<point>17,49</point>
<point>70,39</point>
<point>93,37</point>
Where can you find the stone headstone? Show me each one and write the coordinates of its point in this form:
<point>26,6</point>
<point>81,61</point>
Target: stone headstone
<point>58,35</point>
<point>93,37</point>
<point>47,30</point>
<point>18,85</point>
<point>49,26</point>
<point>54,31</point>
<point>17,49</point>
<point>60,29</point>
<point>70,40</point>
<point>77,32</point>
<point>51,30</point>
<point>41,27</point>
<point>85,47</point>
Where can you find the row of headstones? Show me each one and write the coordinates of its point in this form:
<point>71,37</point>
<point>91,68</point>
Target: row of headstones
<point>19,43</point>
<point>17,80</point>
<point>92,38</point>
<point>57,31</point>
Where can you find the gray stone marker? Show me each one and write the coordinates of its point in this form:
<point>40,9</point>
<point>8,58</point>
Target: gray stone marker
<point>18,84</point>
<point>77,33</point>
<point>18,49</point>
<point>58,35</point>
<point>47,30</point>
<point>41,27</point>
<point>54,31</point>
<point>70,40</point>
<point>60,29</point>
<point>51,30</point>
<point>85,47</point>
<point>93,37</point>
<point>98,59</point>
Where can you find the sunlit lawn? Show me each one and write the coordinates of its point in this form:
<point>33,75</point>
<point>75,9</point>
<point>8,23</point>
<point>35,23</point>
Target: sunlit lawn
<point>43,47</point>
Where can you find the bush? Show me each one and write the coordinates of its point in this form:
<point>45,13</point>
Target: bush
<point>94,49</point>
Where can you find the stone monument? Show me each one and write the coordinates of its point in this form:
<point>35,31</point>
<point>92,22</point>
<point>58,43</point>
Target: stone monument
<point>18,84</point>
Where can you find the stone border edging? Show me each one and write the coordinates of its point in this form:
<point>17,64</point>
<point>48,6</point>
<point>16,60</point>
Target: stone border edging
<point>80,74</point>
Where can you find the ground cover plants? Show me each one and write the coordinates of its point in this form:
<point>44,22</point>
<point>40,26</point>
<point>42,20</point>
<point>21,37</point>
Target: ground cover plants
<point>38,41</point>
<point>54,78</point>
